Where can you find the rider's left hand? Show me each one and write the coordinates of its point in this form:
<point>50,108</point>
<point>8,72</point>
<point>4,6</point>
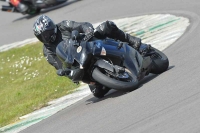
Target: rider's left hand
<point>63,72</point>
<point>89,34</point>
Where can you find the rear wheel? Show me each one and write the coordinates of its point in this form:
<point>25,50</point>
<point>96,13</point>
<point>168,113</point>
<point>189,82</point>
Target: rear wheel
<point>160,62</point>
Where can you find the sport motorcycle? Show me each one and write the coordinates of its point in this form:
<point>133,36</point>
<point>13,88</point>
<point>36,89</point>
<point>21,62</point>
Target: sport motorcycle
<point>108,62</point>
<point>34,6</point>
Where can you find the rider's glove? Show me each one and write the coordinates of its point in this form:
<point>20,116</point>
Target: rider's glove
<point>63,72</point>
<point>88,34</point>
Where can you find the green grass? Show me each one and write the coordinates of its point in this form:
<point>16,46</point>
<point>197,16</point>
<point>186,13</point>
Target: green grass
<point>28,82</point>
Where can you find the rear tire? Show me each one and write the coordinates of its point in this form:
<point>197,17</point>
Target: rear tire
<point>160,62</point>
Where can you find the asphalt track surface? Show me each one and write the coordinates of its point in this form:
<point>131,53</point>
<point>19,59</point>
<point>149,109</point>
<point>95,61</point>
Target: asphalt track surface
<point>167,103</point>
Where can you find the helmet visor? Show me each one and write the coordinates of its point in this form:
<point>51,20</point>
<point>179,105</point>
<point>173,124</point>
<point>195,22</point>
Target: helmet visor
<point>47,36</point>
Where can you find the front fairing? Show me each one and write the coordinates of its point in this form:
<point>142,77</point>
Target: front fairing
<point>108,49</point>
<point>101,49</point>
<point>73,57</point>
<point>70,53</point>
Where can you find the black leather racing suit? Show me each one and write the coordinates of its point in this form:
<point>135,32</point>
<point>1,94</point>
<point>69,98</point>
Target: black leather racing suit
<point>106,29</point>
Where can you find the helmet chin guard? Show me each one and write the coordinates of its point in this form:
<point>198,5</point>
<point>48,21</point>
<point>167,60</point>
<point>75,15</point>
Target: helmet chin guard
<point>53,37</point>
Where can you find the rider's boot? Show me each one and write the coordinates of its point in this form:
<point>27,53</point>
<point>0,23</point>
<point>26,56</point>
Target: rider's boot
<point>132,40</point>
<point>135,42</point>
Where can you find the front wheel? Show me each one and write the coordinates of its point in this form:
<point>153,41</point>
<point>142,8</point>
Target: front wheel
<point>160,62</point>
<point>123,82</point>
<point>98,90</point>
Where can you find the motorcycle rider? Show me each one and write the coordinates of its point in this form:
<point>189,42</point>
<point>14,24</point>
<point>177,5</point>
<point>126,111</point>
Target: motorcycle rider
<point>51,34</point>
<point>22,7</point>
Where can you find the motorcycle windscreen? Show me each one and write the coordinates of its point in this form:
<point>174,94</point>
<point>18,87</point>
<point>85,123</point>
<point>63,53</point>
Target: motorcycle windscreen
<point>71,54</point>
<point>65,53</point>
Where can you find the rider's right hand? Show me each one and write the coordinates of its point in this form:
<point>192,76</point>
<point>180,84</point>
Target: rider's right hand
<point>63,72</point>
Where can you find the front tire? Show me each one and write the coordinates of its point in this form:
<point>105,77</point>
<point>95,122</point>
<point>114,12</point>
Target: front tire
<point>98,90</point>
<point>129,84</point>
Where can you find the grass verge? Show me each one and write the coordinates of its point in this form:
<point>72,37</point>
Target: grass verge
<point>28,82</point>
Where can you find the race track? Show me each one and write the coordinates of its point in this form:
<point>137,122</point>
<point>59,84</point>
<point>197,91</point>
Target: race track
<point>165,103</point>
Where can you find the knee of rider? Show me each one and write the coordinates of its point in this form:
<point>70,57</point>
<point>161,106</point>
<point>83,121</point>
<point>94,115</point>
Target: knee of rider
<point>100,30</point>
<point>106,28</point>
<point>111,29</point>
<point>111,25</point>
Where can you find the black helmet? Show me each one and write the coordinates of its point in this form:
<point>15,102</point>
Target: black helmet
<point>45,29</point>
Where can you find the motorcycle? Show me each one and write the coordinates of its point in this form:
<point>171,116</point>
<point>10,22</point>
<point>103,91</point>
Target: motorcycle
<point>108,62</point>
<point>34,6</point>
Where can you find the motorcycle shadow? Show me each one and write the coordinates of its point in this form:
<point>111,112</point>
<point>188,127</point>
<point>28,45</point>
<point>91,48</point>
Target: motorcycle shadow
<point>114,93</point>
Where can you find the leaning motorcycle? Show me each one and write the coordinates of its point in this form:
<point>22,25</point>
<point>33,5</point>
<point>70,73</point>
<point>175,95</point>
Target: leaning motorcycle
<point>34,6</point>
<point>107,62</point>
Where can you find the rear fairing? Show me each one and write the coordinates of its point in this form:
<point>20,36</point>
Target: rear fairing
<point>123,56</point>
